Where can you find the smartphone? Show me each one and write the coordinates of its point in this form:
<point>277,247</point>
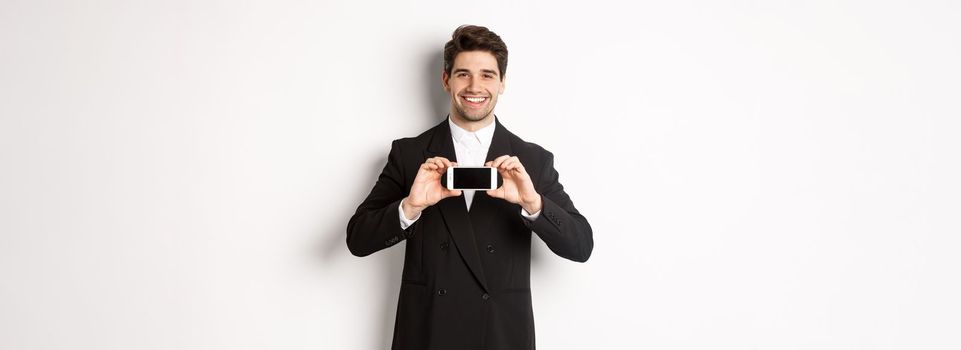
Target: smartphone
<point>472,178</point>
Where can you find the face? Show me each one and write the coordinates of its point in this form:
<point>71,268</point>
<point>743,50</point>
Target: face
<point>473,84</point>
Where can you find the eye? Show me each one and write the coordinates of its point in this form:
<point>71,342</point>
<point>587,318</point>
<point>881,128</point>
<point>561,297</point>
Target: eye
<point>489,76</point>
<point>461,74</point>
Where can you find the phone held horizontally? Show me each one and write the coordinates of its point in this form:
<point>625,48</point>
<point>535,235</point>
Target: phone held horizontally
<point>471,178</point>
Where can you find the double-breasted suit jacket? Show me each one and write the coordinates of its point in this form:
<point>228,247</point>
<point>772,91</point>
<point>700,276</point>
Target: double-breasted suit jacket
<point>466,277</point>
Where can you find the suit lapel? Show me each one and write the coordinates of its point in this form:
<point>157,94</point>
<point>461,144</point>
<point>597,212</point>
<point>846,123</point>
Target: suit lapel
<point>453,210</point>
<point>461,231</point>
<point>483,206</point>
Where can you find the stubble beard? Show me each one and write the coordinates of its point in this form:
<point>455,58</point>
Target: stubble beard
<point>475,116</point>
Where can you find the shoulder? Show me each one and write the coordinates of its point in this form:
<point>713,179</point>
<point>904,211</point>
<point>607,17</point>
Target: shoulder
<point>532,155</point>
<point>419,142</point>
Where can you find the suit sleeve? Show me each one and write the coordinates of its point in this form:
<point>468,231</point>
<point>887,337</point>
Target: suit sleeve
<point>375,225</point>
<point>565,231</point>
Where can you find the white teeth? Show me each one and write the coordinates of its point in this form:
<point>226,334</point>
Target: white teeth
<point>475,99</point>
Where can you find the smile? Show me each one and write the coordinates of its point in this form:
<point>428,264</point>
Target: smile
<point>474,100</point>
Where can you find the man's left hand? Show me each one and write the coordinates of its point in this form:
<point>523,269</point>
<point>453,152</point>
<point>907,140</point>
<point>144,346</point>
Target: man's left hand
<point>517,187</point>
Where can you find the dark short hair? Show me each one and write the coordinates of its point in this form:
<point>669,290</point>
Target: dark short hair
<point>475,38</point>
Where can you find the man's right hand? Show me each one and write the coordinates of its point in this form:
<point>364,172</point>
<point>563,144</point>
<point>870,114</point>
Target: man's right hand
<point>427,189</point>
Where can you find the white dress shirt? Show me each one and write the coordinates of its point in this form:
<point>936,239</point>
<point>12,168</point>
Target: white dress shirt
<point>471,150</point>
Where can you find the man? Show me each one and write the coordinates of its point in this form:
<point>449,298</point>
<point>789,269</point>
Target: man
<point>466,279</point>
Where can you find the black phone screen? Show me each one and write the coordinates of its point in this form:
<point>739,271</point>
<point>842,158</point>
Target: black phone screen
<point>472,178</point>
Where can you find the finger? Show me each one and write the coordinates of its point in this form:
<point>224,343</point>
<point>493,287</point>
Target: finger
<point>497,161</point>
<point>438,164</point>
<point>516,165</point>
<point>508,164</point>
<point>446,162</point>
<point>500,160</point>
<point>498,193</point>
<point>443,162</point>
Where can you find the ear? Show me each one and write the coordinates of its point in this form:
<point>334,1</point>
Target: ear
<point>500,89</point>
<point>444,77</point>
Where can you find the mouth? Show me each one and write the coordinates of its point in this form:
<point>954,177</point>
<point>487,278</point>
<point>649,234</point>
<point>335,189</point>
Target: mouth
<point>474,101</point>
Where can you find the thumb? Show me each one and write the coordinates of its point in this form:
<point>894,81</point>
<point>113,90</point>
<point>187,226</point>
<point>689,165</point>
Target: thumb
<point>454,193</point>
<point>495,193</point>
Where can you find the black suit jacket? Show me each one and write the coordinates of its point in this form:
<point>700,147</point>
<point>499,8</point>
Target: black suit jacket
<point>466,279</point>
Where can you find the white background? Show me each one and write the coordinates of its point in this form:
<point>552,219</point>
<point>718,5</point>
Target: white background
<point>759,174</point>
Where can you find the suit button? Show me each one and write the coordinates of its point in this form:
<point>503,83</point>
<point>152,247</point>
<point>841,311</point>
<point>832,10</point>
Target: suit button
<point>444,245</point>
<point>490,248</point>
<point>442,291</point>
<point>485,296</point>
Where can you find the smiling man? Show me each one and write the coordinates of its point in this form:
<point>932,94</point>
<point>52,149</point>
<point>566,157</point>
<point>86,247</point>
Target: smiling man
<point>466,278</point>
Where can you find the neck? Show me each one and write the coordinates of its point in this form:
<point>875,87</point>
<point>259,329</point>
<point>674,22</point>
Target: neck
<point>470,125</point>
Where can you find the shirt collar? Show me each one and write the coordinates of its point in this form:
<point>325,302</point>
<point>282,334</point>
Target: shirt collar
<point>484,134</point>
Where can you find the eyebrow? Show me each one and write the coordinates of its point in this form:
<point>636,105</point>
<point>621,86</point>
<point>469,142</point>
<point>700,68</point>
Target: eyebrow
<point>491,71</point>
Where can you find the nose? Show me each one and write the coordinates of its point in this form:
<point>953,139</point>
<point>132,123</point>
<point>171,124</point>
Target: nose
<point>474,85</point>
